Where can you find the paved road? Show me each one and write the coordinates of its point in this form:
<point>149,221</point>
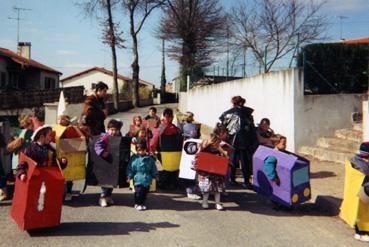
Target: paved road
<point>174,220</point>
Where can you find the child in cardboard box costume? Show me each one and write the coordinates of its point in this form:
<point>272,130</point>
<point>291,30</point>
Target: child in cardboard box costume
<point>282,176</point>
<point>167,140</point>
<point>110,154</point>
<point>355,204</point>
<point>39,185</point>
<point>71,144</point>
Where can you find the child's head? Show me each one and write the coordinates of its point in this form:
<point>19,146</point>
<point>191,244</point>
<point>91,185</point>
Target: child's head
<point>26,122</point>
<point>43,135</point>
<point>137,120</point>
<point>264,124</point>
<point>221,131</point>
<point>152,111</point>
<point>114,127</point>
<point>168,114</point>
<point>188,117</point>
<point>141,133</point>
<point>213,140</point>
<point>279,142</point>
<point>141,147</point>
<point>364,150</point>
<point>63,120</point>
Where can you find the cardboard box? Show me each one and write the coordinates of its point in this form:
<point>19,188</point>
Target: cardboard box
<point>73,145</point>
<point>212,163</point>
<point>37,202</point>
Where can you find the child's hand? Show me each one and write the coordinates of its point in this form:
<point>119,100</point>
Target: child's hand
<point>128,180</point>
<point>63,160</point>
<point>157,178</point>
<point>105,155</point>
<point>23,177</point>
<point>277,181</point>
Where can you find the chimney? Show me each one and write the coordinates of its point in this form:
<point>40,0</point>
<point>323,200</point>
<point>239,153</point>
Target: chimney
<point>24,49</point>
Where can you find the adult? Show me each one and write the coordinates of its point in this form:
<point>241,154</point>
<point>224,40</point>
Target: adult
<point>264,133</point>
<point>239,123</point>
<point>95,111</point>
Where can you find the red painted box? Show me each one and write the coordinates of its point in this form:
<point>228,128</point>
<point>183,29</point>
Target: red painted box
<point>211,163</point>
<point>37,201</point>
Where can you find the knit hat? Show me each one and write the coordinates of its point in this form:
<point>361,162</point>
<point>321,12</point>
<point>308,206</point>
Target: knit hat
<point>364,149</point>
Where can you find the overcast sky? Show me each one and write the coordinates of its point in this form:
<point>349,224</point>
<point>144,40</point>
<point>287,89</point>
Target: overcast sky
<point>63,39</point>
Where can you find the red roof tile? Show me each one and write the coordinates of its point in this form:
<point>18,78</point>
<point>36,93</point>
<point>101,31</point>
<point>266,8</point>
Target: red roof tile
<point>363,40</point>
<point>24,61</point>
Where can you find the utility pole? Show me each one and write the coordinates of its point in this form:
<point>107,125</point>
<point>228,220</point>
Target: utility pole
<point>18,19</point>
<point>341,20</point>
<point>163,80</point>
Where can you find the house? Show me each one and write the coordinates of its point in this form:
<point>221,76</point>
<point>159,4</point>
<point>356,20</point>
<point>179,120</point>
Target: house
<point>90,77</point>
<point>18,72</point>
<point>363,40</point>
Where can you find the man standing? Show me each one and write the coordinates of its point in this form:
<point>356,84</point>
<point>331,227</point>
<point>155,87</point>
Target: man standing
<point>95,110</point>
<point>239,123</point>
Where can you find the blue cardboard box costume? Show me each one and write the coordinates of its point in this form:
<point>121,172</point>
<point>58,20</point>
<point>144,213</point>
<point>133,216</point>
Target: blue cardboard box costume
<point>293,172</point>
<point>109,173</point>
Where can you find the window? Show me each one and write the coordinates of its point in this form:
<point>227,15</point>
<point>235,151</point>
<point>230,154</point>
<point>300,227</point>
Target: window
<point>93,86</point>
<point>50,83</point>
<point>14,80</point>
<point>2,80</point>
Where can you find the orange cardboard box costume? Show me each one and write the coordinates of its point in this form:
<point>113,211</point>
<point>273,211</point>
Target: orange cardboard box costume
<point>37,201</point>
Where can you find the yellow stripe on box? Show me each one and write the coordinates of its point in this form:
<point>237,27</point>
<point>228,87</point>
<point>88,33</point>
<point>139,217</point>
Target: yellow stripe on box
<point>170,161</point>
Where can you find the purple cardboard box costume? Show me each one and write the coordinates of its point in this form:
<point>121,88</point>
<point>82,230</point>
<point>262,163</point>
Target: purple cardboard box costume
<point>293,172</point>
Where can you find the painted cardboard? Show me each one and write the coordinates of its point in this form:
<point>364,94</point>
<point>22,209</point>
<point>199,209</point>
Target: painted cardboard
<point>212,163</point>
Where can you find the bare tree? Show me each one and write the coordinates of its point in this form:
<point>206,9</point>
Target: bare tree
<point>138,11</point>
<point>193,29</point>
<point>163,80</point>
<point>272,29</point>
<point>110,34</point>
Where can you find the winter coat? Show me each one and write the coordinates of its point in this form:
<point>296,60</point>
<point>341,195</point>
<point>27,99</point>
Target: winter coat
<point>93,115</point>
<point>142,169</point>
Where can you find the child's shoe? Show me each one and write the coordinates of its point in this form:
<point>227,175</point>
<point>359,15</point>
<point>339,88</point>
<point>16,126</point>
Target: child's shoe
<point>364,237</point>
<point>68,197</point>
<point>139,208</point>
<point>3,194</point>
<point>143,207</point>
<point>205,205</point>
<point>109,200</point>
<point>219,207</point>
<point>193,196</point>
<point>103,203</point>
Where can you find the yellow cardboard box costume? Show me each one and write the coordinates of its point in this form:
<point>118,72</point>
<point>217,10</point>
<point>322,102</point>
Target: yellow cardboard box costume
<point>71,144</point>
<point>353,210</point>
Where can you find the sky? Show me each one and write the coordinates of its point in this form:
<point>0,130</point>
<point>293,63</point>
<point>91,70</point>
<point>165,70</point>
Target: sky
<point>64,39</point>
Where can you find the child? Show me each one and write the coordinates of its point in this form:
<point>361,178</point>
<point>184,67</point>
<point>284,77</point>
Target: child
<point>270,163</point>
<point>211,182</point>
<point>142,170</point>
<point>101,149</point>
<point>40,151</point>
<point>188,128</point>
<point>360,162</point>
<point>152,115</point>
<point>135,126</point>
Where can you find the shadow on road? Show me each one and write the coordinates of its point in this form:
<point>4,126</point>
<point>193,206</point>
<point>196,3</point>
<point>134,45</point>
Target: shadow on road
<point>258,204</point>
<point>99,228</point>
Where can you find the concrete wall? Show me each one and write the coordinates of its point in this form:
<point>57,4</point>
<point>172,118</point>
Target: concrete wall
<point>51,111</point>
<point>278,96</point>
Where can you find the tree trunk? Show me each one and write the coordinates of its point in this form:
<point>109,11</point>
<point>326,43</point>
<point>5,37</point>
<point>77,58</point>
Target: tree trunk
<point>163,80</point>
<point>114,58</point>
<point>134,65</point>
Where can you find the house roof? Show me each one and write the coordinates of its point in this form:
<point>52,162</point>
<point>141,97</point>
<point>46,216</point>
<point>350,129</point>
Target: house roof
<point>362,40</point>
<point>24,61</point>
<point>102,70</point>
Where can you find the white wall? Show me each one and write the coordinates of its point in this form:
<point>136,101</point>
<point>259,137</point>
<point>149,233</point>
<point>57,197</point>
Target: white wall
<point>51,111</point>
<point>280,97</point>
<point>86,80</point>
<point>270,95</point>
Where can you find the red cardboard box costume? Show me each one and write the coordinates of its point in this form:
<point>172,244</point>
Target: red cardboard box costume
<point>37,201</point>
